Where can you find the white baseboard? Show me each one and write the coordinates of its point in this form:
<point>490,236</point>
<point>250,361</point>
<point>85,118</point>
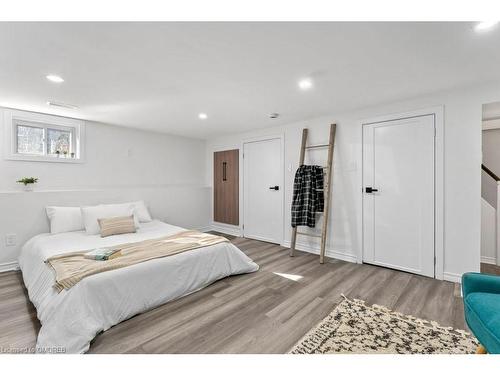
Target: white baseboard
<point>10,266</point>
<point>489,260</point>
<point>258,238</point>
<point>448,276</point>
<point>453,277</point>
<point>232,230</point>
<point>328,252</point>
<point>208,228</point>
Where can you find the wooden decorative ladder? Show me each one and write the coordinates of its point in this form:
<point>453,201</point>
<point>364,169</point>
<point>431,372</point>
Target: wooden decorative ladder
<point>327,189</point>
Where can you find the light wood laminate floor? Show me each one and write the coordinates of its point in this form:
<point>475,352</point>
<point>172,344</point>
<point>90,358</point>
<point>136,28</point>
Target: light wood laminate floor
<point>263,312</point>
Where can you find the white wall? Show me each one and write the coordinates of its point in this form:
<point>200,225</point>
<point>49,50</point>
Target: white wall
<point>462,172</point>
<point>122,164</point>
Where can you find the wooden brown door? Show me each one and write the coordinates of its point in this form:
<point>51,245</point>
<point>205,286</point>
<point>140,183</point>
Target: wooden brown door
<point>226,187</point>
<point>219,191</point>
<point>231,189</point>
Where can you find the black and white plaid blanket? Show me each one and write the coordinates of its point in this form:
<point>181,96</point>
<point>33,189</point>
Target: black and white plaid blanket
<point>308,196</point>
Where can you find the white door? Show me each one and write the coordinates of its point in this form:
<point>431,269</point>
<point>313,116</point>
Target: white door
<point>398,194</point>
<point>263,190</point>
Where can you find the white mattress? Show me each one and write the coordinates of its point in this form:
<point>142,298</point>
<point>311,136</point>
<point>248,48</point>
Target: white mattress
<point>72,318</point>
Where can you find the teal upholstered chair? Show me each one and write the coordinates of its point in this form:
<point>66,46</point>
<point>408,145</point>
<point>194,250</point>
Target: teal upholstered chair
<point>481,294</point>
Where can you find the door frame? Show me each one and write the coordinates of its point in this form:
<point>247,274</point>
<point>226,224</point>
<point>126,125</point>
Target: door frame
<point>438,113</point>
<point>281,138</point>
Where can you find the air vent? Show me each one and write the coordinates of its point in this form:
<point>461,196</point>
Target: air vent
<point>62,105</point>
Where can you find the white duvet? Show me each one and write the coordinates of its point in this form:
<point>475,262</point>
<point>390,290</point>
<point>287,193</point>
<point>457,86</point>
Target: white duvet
<point>72,318</point>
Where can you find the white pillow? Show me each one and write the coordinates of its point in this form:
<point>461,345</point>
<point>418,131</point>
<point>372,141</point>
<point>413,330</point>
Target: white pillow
<point>91,214</point>
<point>138,211</point>
<point>142,212</point>
<point>64,219</point>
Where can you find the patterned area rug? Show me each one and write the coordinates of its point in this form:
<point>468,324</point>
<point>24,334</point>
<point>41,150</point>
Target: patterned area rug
<point>353,327</point>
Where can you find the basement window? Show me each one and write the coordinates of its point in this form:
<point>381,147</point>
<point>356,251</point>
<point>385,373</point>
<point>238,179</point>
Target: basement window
<point>39,137</point>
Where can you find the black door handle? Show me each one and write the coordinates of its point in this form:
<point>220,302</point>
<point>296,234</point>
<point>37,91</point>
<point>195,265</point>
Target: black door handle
<point>370,190</point>
<point>274,187</point>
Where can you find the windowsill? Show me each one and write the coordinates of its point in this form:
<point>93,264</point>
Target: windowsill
<point>46,159</point>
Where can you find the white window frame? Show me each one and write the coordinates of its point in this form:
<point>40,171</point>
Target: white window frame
<point>13,118</point>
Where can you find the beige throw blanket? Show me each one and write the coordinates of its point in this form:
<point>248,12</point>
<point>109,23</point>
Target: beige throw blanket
<point>70,268</point>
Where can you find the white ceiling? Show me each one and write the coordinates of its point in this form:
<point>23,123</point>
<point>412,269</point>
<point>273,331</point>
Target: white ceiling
<point>159,76</point>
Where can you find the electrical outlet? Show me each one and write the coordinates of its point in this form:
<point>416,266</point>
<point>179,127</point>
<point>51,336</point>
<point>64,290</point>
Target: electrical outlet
<point>10,240</point>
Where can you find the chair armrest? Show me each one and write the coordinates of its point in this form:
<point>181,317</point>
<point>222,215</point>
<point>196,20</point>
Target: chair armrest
<point>480,282</point>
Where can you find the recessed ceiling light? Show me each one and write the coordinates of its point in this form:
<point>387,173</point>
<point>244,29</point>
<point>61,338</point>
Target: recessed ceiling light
<point>202,116</point>
<point>485,25</point>
<point>54,78</point>
<point>305,84</point>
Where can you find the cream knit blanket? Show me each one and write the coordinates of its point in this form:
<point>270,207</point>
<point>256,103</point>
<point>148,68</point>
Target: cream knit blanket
<point>70,268</point>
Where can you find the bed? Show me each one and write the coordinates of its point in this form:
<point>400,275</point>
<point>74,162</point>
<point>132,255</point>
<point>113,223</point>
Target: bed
<point>72,318</point>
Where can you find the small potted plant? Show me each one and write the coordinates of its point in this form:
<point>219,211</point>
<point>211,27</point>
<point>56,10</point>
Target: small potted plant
<point>65,153</point>
<point>28,182</point>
